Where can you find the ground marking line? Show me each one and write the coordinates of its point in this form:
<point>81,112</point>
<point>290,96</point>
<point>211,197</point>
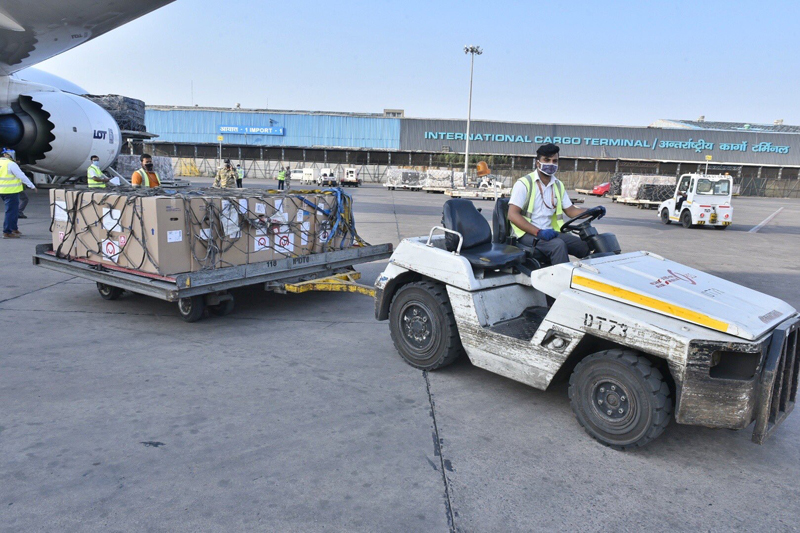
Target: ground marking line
<point>765,221</point>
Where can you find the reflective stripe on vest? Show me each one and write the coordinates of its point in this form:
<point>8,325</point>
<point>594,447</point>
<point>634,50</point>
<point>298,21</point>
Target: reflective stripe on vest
<point>92,172</point>
<point>281,175</point>
<point>9,183</point>
<point>527,213</point>
<point>146,177</point>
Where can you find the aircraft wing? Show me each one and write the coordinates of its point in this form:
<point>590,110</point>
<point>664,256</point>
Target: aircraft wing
<point>34,30</point>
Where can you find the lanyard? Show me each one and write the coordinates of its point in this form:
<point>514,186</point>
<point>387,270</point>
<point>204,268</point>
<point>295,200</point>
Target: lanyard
<point>552,196</point>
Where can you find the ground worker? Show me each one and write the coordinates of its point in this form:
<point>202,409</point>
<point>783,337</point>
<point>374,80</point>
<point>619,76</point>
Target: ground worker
<point>282,178</point>
<point>239,176</point>
<point>94,176</point>
<point>537,202</point>
<point>226,176</point>
<point>146,176</point>
<point>12,180</point>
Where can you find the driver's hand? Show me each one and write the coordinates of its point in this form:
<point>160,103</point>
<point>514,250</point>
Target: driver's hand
<point>547,234</point>
<point>602,211</point>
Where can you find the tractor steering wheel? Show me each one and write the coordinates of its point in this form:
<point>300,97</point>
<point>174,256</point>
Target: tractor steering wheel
<point>588,216</point>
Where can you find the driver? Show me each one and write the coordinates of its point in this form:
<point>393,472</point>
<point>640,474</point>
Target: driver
<point>535,208</point>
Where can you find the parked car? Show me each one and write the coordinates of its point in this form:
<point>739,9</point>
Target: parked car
<point>601,190</point>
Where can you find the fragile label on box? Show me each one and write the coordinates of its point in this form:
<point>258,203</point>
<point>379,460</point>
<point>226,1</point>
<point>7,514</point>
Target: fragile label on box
<point>175,236</point>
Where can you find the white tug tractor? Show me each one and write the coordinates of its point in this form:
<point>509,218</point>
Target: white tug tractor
<point>700,200</point>
<point>640,338</point>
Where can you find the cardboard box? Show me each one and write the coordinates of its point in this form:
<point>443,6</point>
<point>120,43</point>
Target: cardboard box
<point>325,222</point>
<point>86,217</point>
<point>258,231</point>
<point>217,239</point>
<point>284,242</point>
<point>62,222</point>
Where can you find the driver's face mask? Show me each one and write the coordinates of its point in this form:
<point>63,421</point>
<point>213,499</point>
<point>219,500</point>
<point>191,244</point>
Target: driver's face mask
<point>548,168</point>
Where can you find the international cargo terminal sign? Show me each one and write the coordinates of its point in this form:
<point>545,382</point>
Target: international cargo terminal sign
<point>604,142</point>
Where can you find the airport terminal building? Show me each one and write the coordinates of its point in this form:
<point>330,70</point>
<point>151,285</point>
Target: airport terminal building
<point>389,139</point>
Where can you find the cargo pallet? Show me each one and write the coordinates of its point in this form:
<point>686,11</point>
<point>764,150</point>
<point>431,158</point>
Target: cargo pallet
<point>404,187</point>
<point>641,204</point>
<point>479,194</point>
<point>583,191</point>
<point>195,292</point>
<point>436,190</point>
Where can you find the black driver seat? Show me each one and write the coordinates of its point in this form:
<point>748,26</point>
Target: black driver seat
<point>503,234</point>
<point>462,216</point>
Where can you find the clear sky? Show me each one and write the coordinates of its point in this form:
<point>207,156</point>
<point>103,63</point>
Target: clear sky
<point>612,62</point>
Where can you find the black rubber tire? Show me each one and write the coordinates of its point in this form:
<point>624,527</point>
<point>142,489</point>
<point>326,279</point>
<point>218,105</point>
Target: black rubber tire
<point>641,405</point>
<point>223,308</point>
<point>423,308</point>
<point>191,308</point>
<point>720,227</point>
<point>107,292</point>
<point>665,216</point>
<point>686,219</point>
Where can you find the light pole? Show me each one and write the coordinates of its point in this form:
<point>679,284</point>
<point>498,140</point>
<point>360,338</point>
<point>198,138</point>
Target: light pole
<point>472,50</point>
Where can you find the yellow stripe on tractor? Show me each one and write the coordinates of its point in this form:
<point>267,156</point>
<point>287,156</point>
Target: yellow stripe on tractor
<point>652,303</point>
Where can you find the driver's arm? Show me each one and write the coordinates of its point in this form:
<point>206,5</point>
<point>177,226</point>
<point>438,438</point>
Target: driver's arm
<point>571,211</point>
<point>516,218</point>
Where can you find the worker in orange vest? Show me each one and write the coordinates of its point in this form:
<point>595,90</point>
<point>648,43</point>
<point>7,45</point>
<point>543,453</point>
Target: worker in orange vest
<point>146,176</point>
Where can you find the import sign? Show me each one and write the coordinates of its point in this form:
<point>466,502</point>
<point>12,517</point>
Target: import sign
<point>251,130</point>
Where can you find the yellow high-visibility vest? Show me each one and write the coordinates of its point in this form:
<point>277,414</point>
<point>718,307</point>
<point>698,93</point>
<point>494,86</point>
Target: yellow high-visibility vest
<point>9,183</point>
<point>94,172</point>
<point>146,177</point>
<point>528,212</point>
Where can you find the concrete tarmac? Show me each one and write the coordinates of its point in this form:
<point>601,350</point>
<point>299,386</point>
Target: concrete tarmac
<point>296,413</point>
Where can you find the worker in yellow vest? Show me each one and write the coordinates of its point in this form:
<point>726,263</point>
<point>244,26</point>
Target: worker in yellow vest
<point>146,176</point>
<point>282,178</point>
<point>12,181</point>
<point>534,210</point>
<point>94,176</point>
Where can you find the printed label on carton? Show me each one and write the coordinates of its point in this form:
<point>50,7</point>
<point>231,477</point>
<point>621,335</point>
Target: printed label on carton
<point>123,240</point>
<point>60,236</point>
<point>261,209</point>
<point>60,212</point>
<point>305,231</point>
<point>229,218</point>
<point>284,240</point>
<point>110,250</point>
<point>205,234</point>
<point>260,241</point>
<point>175,236</point>
<point>111,219</point>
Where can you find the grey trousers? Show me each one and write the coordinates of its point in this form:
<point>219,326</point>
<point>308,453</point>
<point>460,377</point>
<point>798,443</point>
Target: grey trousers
<point>560,248</point>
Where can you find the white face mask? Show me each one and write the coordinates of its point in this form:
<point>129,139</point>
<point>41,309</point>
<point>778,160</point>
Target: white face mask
<point>95,162</point>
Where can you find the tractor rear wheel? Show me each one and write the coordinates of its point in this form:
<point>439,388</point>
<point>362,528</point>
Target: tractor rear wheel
<point>686,219</point>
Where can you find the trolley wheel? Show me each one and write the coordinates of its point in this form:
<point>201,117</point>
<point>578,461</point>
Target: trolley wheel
<point>223,308</point>
<point>191,308</point>
<point>107,292</point>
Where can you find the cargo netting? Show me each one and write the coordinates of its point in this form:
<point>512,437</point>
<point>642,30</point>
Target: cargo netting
<point>632,184</point>
<point>398,177</point>
<point>216,228</point>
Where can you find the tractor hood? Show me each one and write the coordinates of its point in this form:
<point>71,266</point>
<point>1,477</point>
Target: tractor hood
<point>656,284</point>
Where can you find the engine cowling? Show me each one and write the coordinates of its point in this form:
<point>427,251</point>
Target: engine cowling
<point>57,133</point>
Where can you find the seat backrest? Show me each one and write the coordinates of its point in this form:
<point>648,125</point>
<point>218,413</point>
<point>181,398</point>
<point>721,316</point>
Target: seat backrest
<point>461,215</point>
<point>500,226</point>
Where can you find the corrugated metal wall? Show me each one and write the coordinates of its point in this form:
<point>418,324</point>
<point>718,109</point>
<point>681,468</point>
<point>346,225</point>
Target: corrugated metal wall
<point>201,126</point>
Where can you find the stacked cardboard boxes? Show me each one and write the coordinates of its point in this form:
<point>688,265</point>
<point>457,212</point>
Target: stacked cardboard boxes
<point>172,233</point>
